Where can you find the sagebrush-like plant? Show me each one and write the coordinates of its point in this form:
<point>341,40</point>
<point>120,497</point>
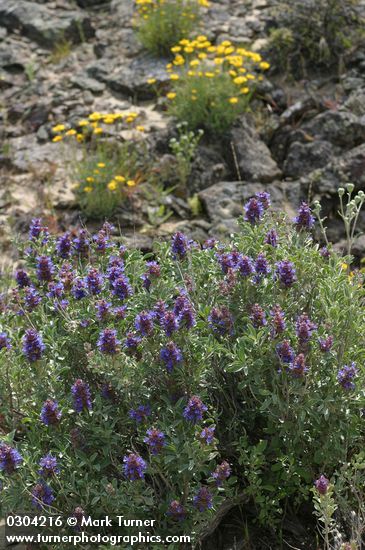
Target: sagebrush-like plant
<point>167,385</point>
<point>211,86</point>
<point>161,23</point>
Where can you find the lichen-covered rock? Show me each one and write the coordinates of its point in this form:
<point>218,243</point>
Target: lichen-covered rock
<point>43,25</point>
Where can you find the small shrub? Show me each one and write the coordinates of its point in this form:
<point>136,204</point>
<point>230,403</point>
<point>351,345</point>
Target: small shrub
<point>105,172</point>
<point>211,85</point>
<point>161,23</point>
<point>163,385</point>
<point>315,34</point>
<point>184,149</point>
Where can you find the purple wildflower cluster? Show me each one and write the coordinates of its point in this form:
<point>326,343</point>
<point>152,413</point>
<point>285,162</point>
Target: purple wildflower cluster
<point>155,440</point>
<point>48,466</point>
<point>81,396</point>
<point>171,356</point>
<point>346,375</point>
<point>108,342</point>
<point>176,511</point>
<point>221,321</point>
<point>304,220</point>
<point>195,409</point>
<point>10,458</point>
<point>203,500</point>
<point>33,346</point>
<point>50,413</point>
<point>322,484</point>
<point>134,467</point>
<point>42,495</point>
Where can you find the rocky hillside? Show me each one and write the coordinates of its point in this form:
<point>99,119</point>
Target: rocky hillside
<point>61,60</point>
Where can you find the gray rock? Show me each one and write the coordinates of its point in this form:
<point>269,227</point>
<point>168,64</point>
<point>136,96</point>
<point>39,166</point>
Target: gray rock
<point>43,25</point>
<point>303,158</point>
<point>84,82</point>
<point>341,128</point>
<point>348,168</point>
<point>356,102</point>
<point>253,157</point>
<point>223,202</point>
<point>131,79</point>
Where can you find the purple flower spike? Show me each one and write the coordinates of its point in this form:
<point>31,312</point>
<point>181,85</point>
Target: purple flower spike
<point>134,467</point>
<point>45,268</point>
<point>194,410</point>
<point>203,500</point>
<point>258,316</point>
<point>325,344</point>
<point>221,321</point>
<point>322,484</point>
<point>171,355</point>
<point>346,375</point>
<point>33,346</point>
<point>50,414</point>
<point>304,220</point>
<point>254,210</point>
<point>176,511</point>
<point>221,473</point>
<point>81,396</point>
<point>108,342</point>
<point>285,273</point>
<point>144,323</point>
<point>49,466</point>
<point>179,245</point>
<point>271,238</point>
<point>4,341</point>
<point>207,434</point>
<point>155,440</point>
<point>298,368</point>
<point>42,495</point>
<point>10,458</point>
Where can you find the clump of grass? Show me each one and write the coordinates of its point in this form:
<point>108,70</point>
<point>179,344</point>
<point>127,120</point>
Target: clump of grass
<point>61,50</point>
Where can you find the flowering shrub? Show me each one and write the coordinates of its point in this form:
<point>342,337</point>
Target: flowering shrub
<point>105,173</point>
<point>161,23</point>
<point>163,385</point>
<point>211,85</point>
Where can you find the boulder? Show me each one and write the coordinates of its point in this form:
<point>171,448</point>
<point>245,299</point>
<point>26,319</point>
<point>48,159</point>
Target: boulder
<point>252,155</point>
<point>303,158</point>
<point>223,202</point>
<point>44,26</point>
<point>341,128</point>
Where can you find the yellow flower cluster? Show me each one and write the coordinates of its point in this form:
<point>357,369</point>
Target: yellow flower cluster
<point>145,7</point>
<point>99,178</point>
<point>93,125</point>
<point>200,58</point>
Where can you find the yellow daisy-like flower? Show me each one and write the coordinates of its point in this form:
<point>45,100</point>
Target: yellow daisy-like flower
<point>176,49</point>
<point>58,128</point>
<point>90,179</point>
<point>108,120</point>
<point>174,76</point>
<point>98,131</point>
<point>82,123</point>
<point>80,138</point>
<point>121,179</point>
<point>245,90</point>
<point>151,81</point>
<point>101,165</point>
<point>240,80</point>
<point>131,183</point>
<point>233,100</point>
<point>95,116</point>
<point>112,185</point>
<point>96,172</point>
<point>57,138</point>
<point>88,189</point>
<point>71,132</point>
<point>171,95</point>
<point>140,128</point>
<point>194,62</point>
<point>129,119</point>
<point>209,75</point>
<point>264,65</point>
